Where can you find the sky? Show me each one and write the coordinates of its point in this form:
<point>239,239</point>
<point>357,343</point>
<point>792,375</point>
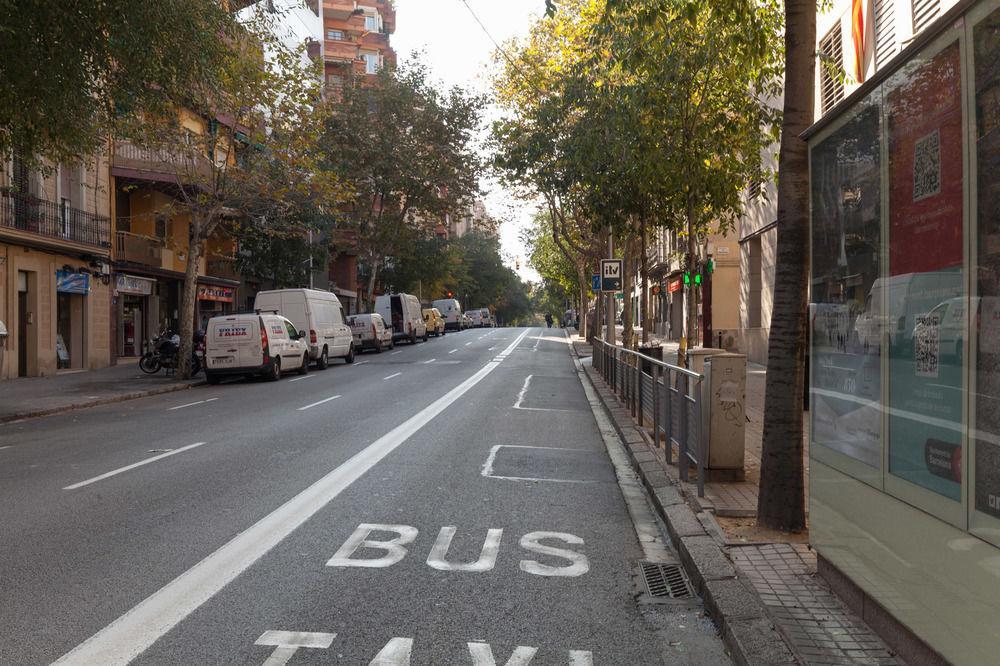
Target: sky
<point>459,52</point>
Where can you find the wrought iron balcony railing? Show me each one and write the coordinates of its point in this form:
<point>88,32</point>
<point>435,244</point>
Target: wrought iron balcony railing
<point>24,212</point>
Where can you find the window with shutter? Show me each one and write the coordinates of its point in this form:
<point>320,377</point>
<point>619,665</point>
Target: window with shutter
<point>831,71</point>
<point>885,32</point>
<point>924,13</point>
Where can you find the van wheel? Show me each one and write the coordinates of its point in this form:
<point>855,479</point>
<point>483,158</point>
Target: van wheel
<point>275,373</point>
<point>413,338</point>
<point>305,364</point>
<point>425,335</point>
<point>212,378</point>
<point>350,355</point>
<point>323,362</point>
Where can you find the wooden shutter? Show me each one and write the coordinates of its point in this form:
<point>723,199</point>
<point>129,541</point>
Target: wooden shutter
<point>924,13</point>
<point>831,69</point>
<point>885,32</point>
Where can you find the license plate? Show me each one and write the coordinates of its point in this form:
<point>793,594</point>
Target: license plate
<point>223,360</point>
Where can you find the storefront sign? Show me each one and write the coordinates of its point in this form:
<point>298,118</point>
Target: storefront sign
<point>675,285</point>
<point>72,283</point>
<point>213,293</point>
<point>130,284</point>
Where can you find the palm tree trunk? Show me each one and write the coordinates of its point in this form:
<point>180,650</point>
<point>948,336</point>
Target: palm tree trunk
<point>781,502</point>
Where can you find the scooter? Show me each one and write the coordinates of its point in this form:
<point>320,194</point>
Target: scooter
<point>162,353</point>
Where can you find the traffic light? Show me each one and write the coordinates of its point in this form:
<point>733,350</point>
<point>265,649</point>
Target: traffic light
<point>450,294</point>
<point>687,277</point>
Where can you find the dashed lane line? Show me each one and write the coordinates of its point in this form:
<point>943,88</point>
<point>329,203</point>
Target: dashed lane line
<point>134,632</point>
<point>317,403</point>
<point>192,404</point>
<point>115,472</point>
<point>395,374</point>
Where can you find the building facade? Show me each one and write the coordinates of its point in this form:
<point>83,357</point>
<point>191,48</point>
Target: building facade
<point>905,281</point>
<point>55,275</point>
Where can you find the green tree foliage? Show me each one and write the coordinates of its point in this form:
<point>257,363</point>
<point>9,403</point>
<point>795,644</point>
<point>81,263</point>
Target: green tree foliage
<point>70,71</point>
<point>406,150</point>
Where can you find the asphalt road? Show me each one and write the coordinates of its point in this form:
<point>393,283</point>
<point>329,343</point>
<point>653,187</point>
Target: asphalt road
<point>448,503</point>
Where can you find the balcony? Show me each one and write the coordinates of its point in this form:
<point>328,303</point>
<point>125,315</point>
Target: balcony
<point>338,9</point>
<point>222,267</point>
<point>22,212</point>
<point>340,51</point>
<point>132,161</point>
<point>136,249</point>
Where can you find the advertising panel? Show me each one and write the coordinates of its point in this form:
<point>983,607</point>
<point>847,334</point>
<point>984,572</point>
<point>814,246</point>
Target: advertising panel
<point>986,45</point>
<point>845,314</point>
<point>926,294</point>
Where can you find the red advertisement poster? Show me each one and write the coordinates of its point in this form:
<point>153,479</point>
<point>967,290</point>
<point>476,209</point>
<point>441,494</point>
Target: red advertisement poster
<point>925,166</point>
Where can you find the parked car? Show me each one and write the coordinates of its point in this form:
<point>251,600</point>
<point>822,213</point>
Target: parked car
<point>370,332</point>
<point>451,310</point>
<point>487,317</point>
<point>254,344</point>
<point>434,321</point>
<point>466,321</point>
<point>405,316</point>
<point>475,318</point>
<point>319,314</point>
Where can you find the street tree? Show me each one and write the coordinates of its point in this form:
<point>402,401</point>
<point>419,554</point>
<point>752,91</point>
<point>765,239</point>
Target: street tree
<point>406,150</point>
<point>781,502</point>
<point>239,146</point>
<point>71,72</point>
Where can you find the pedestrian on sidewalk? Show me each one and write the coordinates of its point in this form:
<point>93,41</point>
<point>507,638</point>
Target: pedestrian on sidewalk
<point>548,319</point>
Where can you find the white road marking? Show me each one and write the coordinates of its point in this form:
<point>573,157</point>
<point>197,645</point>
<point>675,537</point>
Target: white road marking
<point>131,634</point>
<point>396,352</point>
<point>4,447</point>
<point>394,551</point>
<point>453,351</point>
<point>361,362</point>
<point>491,458</point>
<point>524,389</point>
<point>487,557</point>
<point>491,348</point>
<point>132,466</point>
<point>520,400</point>
<point>395,374</point>
<point>287,643</point>
<point>192,404</point>
<point>468,343</point>
<point>580,565</point>
<point>482,655</point>
<point>395,653</point>
<point>325,400</point>
<point>299,379</point>
<point>430,361</point>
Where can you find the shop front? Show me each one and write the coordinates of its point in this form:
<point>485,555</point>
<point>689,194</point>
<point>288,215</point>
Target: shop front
<point>905,342</point>
<point>136,315</point>
<point>675,307</point>
<point>214,300</point>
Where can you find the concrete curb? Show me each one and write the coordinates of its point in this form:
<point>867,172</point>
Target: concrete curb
<point>111,399</point>
<point>746,628</point>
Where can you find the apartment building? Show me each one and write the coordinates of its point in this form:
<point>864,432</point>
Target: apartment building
<point>356,39</point>
<point>904,354</point>
<point>55,274</point>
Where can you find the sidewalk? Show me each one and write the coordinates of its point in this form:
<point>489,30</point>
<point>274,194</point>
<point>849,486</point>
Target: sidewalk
<point>776,571</point>
<point>39,396</point>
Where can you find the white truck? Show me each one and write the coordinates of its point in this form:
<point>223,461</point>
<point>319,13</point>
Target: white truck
<point>319,314</point>
<point>404,315</point>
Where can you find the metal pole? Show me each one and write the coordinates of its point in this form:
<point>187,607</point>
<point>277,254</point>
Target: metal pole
<point>310,259</point>
<point>609,314</point>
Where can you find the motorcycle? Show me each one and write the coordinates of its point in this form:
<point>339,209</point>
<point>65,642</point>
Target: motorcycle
<point>162,353</point>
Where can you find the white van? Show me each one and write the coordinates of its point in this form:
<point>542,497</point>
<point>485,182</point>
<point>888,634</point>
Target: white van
<point>475,318</point>
<point>370,332</point>
<point>253,344</point>
<point>451,310</point>
<point>488,320</point>
<point>404,315</point>
<point>319,314</point>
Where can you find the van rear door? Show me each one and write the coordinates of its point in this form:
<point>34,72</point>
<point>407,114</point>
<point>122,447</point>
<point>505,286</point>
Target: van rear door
<point>233,342</point>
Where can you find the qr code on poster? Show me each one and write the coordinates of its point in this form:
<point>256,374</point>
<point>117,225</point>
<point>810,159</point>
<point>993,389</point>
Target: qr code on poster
<point>927,166</point>
<point>927,346</point>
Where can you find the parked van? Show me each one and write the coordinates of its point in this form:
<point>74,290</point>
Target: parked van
<point>404,315</point>
<point>451,311</point>
<point>435,322</point>
<point>475,318</point>
<point>254,344</point>
<point>370,332</point>
<point>319,314</point>
<point>487,317</point>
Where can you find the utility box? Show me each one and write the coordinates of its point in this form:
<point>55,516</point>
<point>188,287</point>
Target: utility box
<point>696,358</point>
<point>723,412</point>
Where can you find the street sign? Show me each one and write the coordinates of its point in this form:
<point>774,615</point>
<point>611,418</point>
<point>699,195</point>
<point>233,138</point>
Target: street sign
<point>611,274</point>
<point>595,283</point>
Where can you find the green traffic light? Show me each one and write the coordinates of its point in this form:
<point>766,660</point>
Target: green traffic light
<point>687,278</point>
<point>697,279</point>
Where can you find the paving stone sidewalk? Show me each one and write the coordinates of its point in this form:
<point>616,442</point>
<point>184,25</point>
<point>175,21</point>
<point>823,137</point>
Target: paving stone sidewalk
<point>817,626</point>
<point>30,397</point>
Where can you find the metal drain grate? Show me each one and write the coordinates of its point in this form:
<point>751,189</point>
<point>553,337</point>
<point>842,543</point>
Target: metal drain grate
<point>665,580</point>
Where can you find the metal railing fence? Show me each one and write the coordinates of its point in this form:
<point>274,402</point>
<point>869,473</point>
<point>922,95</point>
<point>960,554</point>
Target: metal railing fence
<point>660,396</point>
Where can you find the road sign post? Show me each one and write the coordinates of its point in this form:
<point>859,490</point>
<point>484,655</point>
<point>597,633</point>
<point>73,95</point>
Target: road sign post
<point>611,275</point>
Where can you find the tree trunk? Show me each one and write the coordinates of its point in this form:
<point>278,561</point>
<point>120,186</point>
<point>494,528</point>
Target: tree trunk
<point>372,277</point>
<point>644,297</point>
<point>691,330</point>
<point>781,502</point>
<point>581,325</point>
<point>189,294</point>
<point>627,322</point>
